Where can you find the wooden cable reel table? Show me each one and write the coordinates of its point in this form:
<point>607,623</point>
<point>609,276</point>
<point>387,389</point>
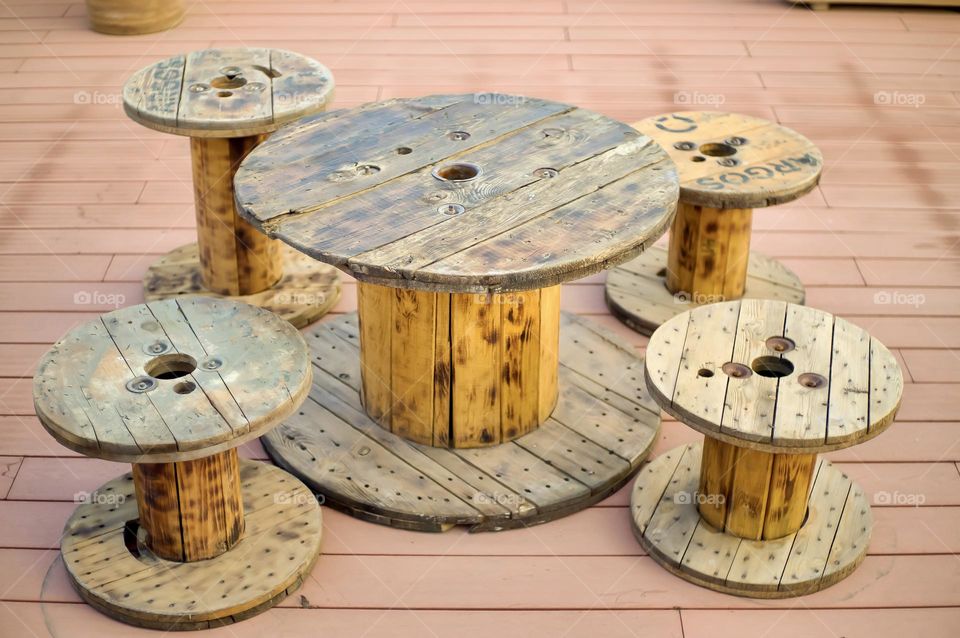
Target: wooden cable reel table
<point>459,215</point>
<point>193,537</point>
<point>131,17</point>
<point>753,511</point>
<point>729,164</point>
<point>227,101</point>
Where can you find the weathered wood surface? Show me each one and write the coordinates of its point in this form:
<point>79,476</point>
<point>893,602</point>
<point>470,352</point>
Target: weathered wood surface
<point>216,373</point>
<point>596,437</point>
<point>227,92</point>
<point>813,404</point>
<point>826,548</point>
<point>131,17</point>
<point>306,291</point>
<point>709,252</point>
<point>113,570</point>
<point>559,192</point>
<point>636,292</point>
<point>728,160</point>
<point>458,369</point>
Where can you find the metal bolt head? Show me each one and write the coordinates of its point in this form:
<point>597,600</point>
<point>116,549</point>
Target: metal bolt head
<point>728,161</point>
<point>553,132</point>
<point>211,363</point>
<point>254,87</point>
<point>231,71</point>
<point>684,146</point>
<point>451,209</point>
<point>139,385</point>
<point>736,141</point>
<point>459,136</point>
<point>368,169</point>
<point>546,173</point>
<point>199,87</point>
<point>157,347</point>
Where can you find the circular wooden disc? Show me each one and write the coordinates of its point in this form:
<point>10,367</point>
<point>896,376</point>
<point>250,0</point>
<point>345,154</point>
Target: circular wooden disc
<point>113,570</point>
<point>171,380</point>
<point>602,428</point>
<point>637,294</point>
<point>307,290</point>
<point>461,193</point>
<point>227,92</point>
<point>727,160</point>
<point>827,548</point>
<point>773,376</point>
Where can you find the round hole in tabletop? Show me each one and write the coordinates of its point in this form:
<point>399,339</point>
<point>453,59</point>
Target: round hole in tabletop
<point>224,93</point>
<point>459,172</point>
<point>224,82</point>
<point>715,149</point>
<point>170,366</point>
<point>698,158</point>
<point>774,367</point>
<point>705,372</point>
<point>185,387</point>
<point>404,150</point>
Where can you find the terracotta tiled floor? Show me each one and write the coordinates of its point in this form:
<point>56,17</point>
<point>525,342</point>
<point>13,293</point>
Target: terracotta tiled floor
<point>88,199</point>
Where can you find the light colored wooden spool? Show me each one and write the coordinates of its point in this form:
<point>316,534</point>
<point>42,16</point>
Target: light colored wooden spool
<point>753,511</point>
<point>228,101</point>
<point>602,428</point>
<point>728,164</point>
<point>131,17</point>
<point>458,369</point>
<point>174,387</point>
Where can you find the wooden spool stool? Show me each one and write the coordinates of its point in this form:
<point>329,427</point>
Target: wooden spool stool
<point>131,17</point>
<point>754,511</point>
<point>193,537</point>
<point>729,164</point>
<point>460,215</point>
<point>227,101</point>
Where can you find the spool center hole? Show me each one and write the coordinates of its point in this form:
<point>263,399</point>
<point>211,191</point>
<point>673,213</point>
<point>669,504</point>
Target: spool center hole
<point>223,82</point>
<point>773,367</point>
<point>717,150</point>
<point>170,366</point>
<point>460,172</point>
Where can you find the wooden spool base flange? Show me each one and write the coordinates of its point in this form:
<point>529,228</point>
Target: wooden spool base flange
<point>279,545</point>
<point>636,292</point>
<point>828,546</point>
<point>307,290</point>
<point>597,436</point>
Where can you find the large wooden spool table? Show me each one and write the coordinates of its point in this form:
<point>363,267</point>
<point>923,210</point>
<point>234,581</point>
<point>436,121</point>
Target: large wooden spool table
<point>193,537</point>
<point>754,511</point>
<point>461,395</point>
<point>729,164</point>
<point>228,101</point>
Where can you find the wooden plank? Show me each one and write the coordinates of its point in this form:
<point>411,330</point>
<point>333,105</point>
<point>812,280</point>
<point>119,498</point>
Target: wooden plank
<point>849,382</point>
<point>549,330</point>
<point>475,355</point>
<point>413,366</point>
<point>376,305</point>
<point>520,354</point>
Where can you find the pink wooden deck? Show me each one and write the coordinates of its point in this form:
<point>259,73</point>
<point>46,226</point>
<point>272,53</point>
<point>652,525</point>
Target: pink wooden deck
<point>90,198</point>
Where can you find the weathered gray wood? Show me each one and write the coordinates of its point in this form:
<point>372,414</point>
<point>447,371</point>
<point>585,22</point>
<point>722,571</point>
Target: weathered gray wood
<point>227,92</point>
<point>636,291</point>
<point>280,545</point>
<point>770,164</point>
<point>251,371</point>
<point>776,414</point>
<point>668,525</point>
<point>561,192</point>
<point>583,454</point>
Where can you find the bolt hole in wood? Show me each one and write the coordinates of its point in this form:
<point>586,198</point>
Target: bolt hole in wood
<point>698,158</point>
<point>772,367</point>
<point>716,149</point>
<point>459,172</point>
<point>170,366</point>
<point>404,150</point>
<point>705,372</point>
<point>224,93</point>
<point>228,83</point>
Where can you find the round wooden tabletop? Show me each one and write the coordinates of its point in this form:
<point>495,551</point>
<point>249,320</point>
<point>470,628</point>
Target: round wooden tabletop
<point>773,376</point>
<point>727,160</point>
<point>461,193</point>
<point>171,380</point>
<point>227,92</point>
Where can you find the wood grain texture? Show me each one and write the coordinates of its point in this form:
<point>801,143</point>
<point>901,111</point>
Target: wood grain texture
<point>595,438</point>
<point>829,545</point>
<point>113,570</point>
<point>455,369</point>
<point>636,292</point>
<point>559,192</point>
<point>306,290</point>
<point>824,375</point>
<point>728,160</point>
<point>227,92</point>
<point>224,373</point>
<point>129,17</point>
